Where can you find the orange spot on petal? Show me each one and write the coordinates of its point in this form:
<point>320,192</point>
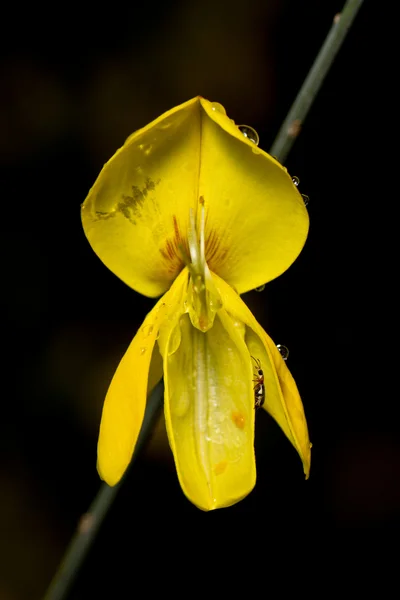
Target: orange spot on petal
<point>238,419</point>
<point>220,467</point>
<point>203,322</point>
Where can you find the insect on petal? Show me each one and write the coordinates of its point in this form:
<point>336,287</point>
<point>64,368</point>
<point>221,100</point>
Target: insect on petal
<point>282,398</point>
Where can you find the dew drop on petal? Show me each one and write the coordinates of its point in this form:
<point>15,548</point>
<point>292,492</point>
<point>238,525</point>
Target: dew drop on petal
<point>296,181</point>
<point>260,288</point>
<point>142,350</point>
<point>218,107</point>
<point>283,350</point>
<point>146,148</point>
<point>147,330</point>
<point>250,133</point>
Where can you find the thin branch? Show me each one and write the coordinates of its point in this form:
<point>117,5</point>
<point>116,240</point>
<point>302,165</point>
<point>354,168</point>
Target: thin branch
<point>292,125</point>
<point>91,521</point>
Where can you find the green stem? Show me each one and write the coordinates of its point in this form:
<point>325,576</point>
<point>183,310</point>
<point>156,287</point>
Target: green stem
<point>291,126</point>
<point>90,522</point>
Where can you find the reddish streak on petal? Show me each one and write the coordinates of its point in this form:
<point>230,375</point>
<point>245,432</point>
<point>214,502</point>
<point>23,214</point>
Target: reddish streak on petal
<point>172,249</point>
<point>176,229</point>
<point>212,246</point>
<point>215,253</point>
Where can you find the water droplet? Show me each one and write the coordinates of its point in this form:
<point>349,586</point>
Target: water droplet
<point>283,350</point>
<point>296,181</point>
<point>218,107</point>
<point>250,133</point>
<point>260,288</point>
<point>83,206</point>
<point>310,445</point>
<point>199,285</point>
<point>142,350</point>
<point>147,330</point>
<point>256,151</point>
<point>145,148</point>
<point>306,199</point>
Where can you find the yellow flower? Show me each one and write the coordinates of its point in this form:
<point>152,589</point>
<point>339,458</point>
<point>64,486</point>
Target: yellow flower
<point>192,209</point>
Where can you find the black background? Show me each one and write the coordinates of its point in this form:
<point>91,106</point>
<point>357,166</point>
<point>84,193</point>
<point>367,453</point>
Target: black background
<point>75,84</point>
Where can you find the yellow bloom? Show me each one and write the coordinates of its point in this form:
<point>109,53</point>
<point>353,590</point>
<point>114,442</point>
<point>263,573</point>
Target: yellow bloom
<point>192,209</point>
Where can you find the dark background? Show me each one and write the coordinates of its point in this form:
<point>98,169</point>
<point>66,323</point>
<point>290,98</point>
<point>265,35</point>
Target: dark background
<point>74,86</point>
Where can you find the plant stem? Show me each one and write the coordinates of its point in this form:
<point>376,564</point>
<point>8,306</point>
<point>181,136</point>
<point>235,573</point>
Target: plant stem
<point>292,125</point>
<point>90,522</point>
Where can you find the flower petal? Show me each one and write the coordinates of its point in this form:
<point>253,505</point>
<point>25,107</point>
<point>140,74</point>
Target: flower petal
<point>209,412</point>
<point>257,222</point>
<point>125,402</point>
<point>136,215</point>
<point>282,399</point>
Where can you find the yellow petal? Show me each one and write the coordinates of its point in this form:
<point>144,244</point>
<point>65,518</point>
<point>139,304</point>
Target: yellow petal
<point>125,402</point>
<point>209,412</point>
<point>294,405</point>
<point>136,215</point>
<point>282,399</point>
<point>256,222</point>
